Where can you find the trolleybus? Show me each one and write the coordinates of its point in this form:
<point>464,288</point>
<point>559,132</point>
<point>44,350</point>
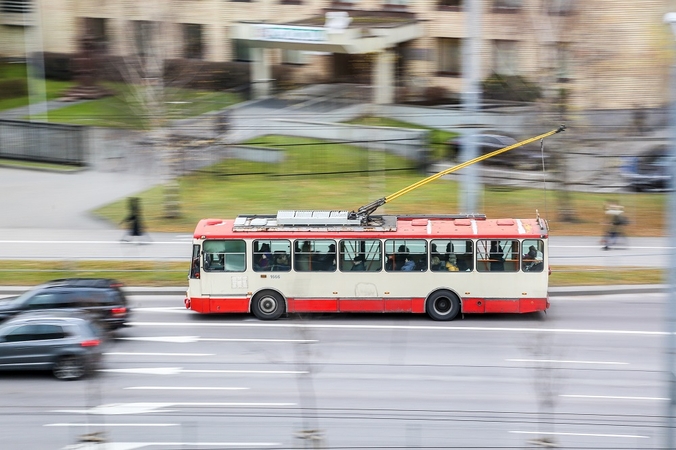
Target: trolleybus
<point>322,261</point>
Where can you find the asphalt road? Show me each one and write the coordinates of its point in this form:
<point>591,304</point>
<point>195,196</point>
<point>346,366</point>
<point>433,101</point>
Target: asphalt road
<point>178,380</point>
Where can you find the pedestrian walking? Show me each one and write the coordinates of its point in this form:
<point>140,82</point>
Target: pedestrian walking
<point>134,220</point>
<point>616,222</point>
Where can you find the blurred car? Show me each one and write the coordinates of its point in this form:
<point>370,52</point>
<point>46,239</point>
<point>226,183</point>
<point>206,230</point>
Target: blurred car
<point>100,297</point>
<point>63,341</point>
<point>526,157</point>
<point>649,171</point>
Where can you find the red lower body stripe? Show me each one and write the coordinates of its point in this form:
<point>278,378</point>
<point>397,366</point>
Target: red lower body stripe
<point>412,305</point>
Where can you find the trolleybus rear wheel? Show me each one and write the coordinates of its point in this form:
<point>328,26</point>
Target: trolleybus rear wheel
<point>443,305</point>
<point>267,305</point>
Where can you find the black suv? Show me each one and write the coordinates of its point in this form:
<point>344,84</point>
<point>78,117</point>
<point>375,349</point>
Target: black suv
<point>101,297</point>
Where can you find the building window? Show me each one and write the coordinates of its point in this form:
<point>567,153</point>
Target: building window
<point>451,5</point>
<point>144,34</point>
<point>505,57</point>
<point>291,2</point>
<point>241,51</point>
<point>192,41</point>
<point>395,2</point>
<point>450,56</point>
<point>17,6</point>
<point>562,62</point>
<point>95,29</point>
<point>294,57</point>
<point>507,5</point>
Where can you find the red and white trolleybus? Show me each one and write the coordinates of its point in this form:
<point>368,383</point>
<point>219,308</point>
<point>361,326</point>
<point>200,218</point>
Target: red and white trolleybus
<point>329,261</point>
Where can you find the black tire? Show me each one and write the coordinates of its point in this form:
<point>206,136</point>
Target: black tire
<point>267,305</point>
<point>443,305</point>
<point>69,368</point>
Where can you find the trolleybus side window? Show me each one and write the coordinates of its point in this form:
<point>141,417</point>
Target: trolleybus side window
<point>498,256</point>
<point>448,255</point>
<point>227,255</point>
<point>533,255</point>
<point>406,255</point>
<point>360,255</point>
<point>316,255</point>
<point>271,254</point>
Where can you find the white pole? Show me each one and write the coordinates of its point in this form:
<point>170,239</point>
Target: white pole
<point>471,98</point>
<point>35,73</point>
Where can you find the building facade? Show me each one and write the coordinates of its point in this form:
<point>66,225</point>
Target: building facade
<point>605,55</point>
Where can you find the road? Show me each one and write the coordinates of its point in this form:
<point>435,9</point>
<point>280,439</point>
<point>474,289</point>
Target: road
<point>29,244</point>
<point>178,380</point>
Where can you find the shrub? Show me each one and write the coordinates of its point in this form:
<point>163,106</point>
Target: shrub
<point>13,88</point>
<point>207,75</point>
<point>58,66</point>
<point>435,94</point>
<point>510,88</point>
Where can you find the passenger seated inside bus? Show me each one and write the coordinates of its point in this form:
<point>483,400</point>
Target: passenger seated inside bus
<point>358,264</point>
<point>497,257</point>
<point>281,263</point>
<point>532,261</point>
<point>263,258</point>
<point>408,266</point>
<point>325,261</point>
<point>436,265</point>
<point>452,263</point>
<point>214,261</point>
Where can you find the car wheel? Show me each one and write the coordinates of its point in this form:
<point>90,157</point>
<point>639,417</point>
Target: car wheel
<point>267,305</point>
<point>443,305</point>
<point>69,368</point>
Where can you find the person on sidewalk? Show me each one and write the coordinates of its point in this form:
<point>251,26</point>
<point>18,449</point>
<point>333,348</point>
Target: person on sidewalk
<point>616,221</point>
<point>134,220</point>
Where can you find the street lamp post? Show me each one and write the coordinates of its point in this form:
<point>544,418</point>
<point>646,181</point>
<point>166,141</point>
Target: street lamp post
<point>670,18</point>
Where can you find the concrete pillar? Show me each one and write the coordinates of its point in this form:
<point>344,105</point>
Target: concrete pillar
<point>260,72</point>
<point>383,78</point>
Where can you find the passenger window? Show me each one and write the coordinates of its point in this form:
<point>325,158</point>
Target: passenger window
<point>405,255</point>
<point>498,256</point>
<point>45,332</point>
<point>224,255</point>
<point>532,259</point>
<point>456,255</point>
<point>317,255</point>
<point>22,333</point>
<point>360,255</point>
<point>272,254</point>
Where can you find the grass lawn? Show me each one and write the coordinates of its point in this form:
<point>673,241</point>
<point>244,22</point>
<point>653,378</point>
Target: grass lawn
<point>122,111</point>
<point>147,273</point>
<point>438,138</point>
<point>218,193</point>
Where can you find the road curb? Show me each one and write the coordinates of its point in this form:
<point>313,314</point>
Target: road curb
<point>564,291</point>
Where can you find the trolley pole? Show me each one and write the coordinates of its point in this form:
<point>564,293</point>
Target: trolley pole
<point>670,18</point>
<point>471,98</point>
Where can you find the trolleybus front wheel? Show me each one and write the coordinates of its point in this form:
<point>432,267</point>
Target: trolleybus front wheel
<point>443,305</point>
<point>267,305</point>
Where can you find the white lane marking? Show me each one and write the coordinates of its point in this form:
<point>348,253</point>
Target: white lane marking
<point>182,444</point>
<point>193,339</point>
<point>173,339</point>
<point>116,242</point>
<point>114,409</point>
<point>630,436</point>
<point>567,362</point>
<point>103,424</point>
<point>167,309</point>
<point>156,354</point>
<point>179,370</point>
<point>401,327</point>
<point>295,341</point>
<point>613,397</point>
<point>186,388</point>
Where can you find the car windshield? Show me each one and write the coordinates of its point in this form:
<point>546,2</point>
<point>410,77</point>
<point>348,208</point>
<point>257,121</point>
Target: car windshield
<point>13,302</point>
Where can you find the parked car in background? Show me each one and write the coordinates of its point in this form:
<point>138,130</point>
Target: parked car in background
<point>63,341</point>
<point>649,171</point>
<point>526,157</point>
<point>102,298</point>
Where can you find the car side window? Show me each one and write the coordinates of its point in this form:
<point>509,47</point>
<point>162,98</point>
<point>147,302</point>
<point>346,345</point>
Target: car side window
<point>21,334</point>
<point>47,332</point>
<point>44,300</point>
